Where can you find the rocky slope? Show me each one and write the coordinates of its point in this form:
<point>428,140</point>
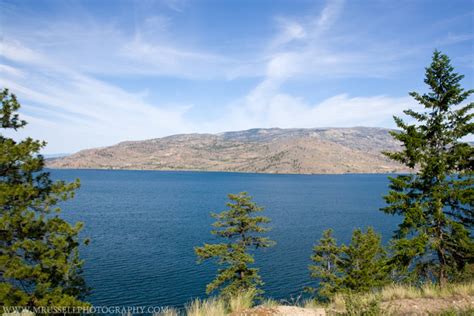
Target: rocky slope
<point>321,150</point>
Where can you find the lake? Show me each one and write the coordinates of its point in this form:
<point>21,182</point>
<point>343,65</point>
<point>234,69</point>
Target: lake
<point>143,226</point>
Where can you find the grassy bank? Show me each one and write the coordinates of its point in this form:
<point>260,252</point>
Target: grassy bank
<point>429,299</point>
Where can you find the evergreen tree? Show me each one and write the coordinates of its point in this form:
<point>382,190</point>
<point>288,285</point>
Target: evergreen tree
<point>327,265</point>
<point>242,232</point>
<point>364,262</point>
<point>359,267</point>
<point>39,263</point>
<point>436,200</point>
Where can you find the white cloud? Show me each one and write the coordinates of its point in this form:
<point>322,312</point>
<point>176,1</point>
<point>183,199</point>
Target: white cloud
<point>453,38</point>
<point>289,31</point>
<point>162,59</point>
<point>8,70</point>
<point>303,47</point>
<point>311,54</point>
<point>15,51</point>
<point>329,14</point>
<point>267,107</point>
<point>84,44</point>
<point>72,110</point>
<point>175,5</point>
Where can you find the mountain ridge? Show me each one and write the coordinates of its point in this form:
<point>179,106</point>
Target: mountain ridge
<point>261,150</point>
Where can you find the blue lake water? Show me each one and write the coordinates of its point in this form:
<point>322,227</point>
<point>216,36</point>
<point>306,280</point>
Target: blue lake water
<point>143,226</point>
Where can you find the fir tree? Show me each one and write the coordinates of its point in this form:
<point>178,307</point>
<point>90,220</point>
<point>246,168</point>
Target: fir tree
<point>39,262</point>
<point>364,262</point>
<point>436,200</point>
<point>242,232</point>
<point>359,267</point>
<point>327,265</point>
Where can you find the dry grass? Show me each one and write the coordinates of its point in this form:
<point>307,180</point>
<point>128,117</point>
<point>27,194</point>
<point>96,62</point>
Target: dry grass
<point>210,307</point>
<point>341,303</point>
<point>216,306</point>
<point>168,311</point>
<point>338,302</point>
<point>241,301</point>
<point>312,304</point>
<point>393,292</point>
<point>397,293</point>
<point>269,302</point>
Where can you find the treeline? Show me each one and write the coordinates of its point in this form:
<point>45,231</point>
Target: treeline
<point>40,264</point>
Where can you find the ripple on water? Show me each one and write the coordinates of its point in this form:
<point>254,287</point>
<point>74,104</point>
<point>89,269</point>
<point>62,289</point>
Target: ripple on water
<point>144,224</point>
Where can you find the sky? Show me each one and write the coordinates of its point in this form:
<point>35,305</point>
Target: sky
<point>97,72</point>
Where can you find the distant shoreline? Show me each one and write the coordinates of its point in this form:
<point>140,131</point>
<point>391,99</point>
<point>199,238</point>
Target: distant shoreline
<point>234,172</point>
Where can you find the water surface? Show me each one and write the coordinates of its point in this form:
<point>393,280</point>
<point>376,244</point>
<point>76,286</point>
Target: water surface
<point>143,226</point>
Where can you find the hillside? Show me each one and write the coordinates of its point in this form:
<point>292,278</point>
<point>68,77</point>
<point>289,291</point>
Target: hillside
<point>321,150</point>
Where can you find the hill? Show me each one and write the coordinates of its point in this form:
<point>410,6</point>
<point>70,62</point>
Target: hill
<point>274,150</point>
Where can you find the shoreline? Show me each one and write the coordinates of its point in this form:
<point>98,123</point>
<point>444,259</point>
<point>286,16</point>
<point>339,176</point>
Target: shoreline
<point>229,171</point>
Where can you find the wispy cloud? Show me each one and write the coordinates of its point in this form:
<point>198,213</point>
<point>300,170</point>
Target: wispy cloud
<point>176,5</point>
<point>73,110</point>
<point>453,38</point>
<point>313,56</point>
<point>148,58</point>
<point>329,14</point>
<point>105,48</point>
<point>302,47</point>
<point>289,31</point>
<point>267,107</point>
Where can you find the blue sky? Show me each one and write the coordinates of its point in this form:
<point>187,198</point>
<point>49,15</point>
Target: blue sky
<point>94,73</point>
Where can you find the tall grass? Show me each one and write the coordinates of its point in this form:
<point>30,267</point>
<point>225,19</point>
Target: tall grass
<point>369,303</point>
<point>241,301</point>
<point>269,302</point>
<point>429,290</point>
<point>312,304</point>
<point>361,305</point>
<point>341,304</point>
<point>168,311</point>
<point>210,307</point>
<point>218,306</point>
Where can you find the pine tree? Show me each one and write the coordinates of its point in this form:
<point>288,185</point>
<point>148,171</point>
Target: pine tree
<point>364,262</point>
<point>39,262</point>
<point>359,267</point>
<point>436,200</point>
<point>327,265</point>
<point>242,232</point>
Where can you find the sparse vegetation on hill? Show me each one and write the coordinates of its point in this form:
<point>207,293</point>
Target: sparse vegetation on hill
<point>306,151</point>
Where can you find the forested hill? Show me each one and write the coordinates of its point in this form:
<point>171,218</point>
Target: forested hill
<point>274,150</point>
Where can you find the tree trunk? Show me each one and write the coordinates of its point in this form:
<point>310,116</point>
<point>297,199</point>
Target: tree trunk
<point>442,269</point>
<point>442,279</point>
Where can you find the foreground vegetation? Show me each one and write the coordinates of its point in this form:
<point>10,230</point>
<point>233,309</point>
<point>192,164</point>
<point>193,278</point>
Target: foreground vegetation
<point>39,250</point>
<point>394,299</point>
